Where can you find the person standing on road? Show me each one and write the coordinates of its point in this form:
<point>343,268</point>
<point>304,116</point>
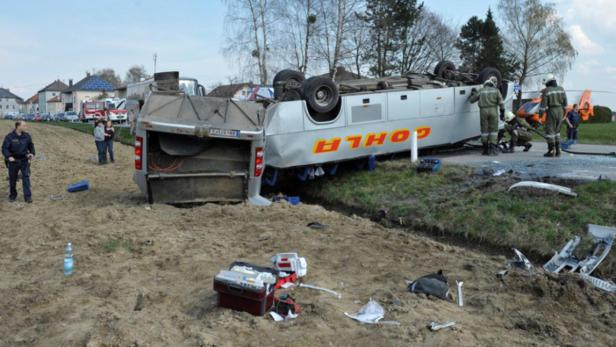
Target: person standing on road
<point>18,150</point>
<point>490,102</point>
<point>554,102</point>
<point>99,139</point>
<point>573,121</point>
<point>109,135</point>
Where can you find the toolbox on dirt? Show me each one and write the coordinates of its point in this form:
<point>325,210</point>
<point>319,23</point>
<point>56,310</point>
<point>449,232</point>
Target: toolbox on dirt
<point>246,287</point>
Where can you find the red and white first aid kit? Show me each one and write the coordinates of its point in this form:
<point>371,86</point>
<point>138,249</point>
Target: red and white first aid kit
<point>291,263</point>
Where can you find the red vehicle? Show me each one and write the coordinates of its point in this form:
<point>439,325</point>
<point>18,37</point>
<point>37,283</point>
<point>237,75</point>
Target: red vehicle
<point>93,110</point>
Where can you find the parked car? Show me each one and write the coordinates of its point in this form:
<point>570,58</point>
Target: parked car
<point>71,116</point>
<point>29,117</point>
<point>40,117</point>
<point>59,117</point>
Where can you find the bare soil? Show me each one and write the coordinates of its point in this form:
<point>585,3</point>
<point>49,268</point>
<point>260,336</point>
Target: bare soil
<point>166,257</point>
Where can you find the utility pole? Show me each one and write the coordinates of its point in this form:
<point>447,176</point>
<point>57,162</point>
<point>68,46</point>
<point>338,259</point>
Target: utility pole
<point>155,56</point>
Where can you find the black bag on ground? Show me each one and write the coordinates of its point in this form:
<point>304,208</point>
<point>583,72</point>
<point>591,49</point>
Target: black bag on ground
<point>434,284</point>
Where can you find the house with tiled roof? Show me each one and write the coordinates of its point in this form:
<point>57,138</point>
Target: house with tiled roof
<point>55,105</point>
<point>90,87</point>
<point>9,102</point>
<point>52,90</point>
<point>31,105</point>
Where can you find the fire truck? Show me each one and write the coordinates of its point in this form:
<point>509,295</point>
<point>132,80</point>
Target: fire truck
<point>92,110</point>
<point>109,109</point>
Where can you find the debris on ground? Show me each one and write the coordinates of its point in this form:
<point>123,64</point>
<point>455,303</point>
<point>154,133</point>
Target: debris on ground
<point>520,261</point>
<point>429,165</point>
<point>460,293</point>
<point>56,197</point>
<point>434,326</point>
<point>292,200</point>
<point>370,313</point>
<point>544,186</point>
<point>434,284</point>
<point>317,226</point>
<point>603,238</point>
<point>311,286</point>
<point>79,186</point>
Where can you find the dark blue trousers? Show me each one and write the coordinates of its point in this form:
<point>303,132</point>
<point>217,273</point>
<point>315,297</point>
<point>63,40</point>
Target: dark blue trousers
<point>109,147</point>
<point>101,148</point>
<point>14,169</point>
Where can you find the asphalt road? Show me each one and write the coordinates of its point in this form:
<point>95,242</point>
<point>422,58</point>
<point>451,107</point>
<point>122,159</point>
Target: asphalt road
<point>532,164</point>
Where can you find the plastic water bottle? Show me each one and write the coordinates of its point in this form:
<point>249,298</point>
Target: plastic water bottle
<point>68,259</point>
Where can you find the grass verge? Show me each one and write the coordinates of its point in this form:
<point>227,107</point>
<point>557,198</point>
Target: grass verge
<point>122,134</point>
<point>591,133</point>
<point>456,202</point>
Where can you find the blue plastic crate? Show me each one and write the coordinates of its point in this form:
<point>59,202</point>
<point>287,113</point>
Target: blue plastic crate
<point>79,186</point>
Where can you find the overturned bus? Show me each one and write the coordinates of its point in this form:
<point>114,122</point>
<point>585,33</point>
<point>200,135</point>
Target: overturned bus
<point>205,149</point>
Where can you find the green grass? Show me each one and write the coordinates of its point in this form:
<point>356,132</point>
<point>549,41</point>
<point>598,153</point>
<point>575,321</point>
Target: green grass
<point>591,133</point>
<point>456,202</point>
<point>122,134</point>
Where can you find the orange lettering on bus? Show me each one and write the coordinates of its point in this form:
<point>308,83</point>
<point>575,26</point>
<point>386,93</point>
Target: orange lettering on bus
<point>325,146</point>
<point>355,141</point>
<point>400,135</point>
<point>423,132</point>
<point>375,139</point>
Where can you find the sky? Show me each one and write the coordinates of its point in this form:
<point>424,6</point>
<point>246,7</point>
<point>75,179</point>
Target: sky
<point>46,40</point>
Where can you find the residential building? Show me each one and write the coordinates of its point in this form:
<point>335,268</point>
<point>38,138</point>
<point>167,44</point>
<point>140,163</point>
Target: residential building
<point>52,90</point>
<point>91,87</point>
<point>31,105</point>
<point>238,91</point>
<point>9,102</point>
<point>54,105</point>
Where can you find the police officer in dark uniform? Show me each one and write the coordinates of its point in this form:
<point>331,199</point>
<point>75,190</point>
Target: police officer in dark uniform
<point>17,150</point>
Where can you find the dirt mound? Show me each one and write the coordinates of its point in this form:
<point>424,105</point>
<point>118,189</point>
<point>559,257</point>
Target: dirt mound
<point>143,275</point>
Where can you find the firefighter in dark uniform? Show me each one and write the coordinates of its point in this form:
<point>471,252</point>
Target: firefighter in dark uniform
<point>490,102</point>
<point>18,150</point>
<point>519,131</point>
<point>554,102</point>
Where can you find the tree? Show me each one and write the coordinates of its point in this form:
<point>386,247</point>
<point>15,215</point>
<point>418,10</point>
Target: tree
<point>481,46</point>
<point>469,44</point>
<point>338,31</point>
<point>109,75</point>
<point>441,39</point>
<point>388,21</point>
<point>249,25</point>
<point>135,74</point>
<point>536,38</point>
<point>296,32</point>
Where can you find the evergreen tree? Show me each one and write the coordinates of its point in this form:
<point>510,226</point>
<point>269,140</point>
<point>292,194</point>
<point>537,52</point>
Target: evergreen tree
<point>481,45</point>
<point>388,21</point>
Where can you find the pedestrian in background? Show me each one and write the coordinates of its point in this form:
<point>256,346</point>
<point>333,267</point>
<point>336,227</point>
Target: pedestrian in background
<point>99,139</point>
<point>573,121</point>
<point>18,150</point>
<point>109,135</point>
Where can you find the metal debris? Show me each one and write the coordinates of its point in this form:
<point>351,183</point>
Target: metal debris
<point>604,239</point>
<point>608,286</point>
<point>545,186</point>
<point>434,326</point>
<point>520,261</point>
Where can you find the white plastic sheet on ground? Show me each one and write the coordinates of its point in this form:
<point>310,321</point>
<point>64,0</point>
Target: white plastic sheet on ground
<point>370,313</point>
